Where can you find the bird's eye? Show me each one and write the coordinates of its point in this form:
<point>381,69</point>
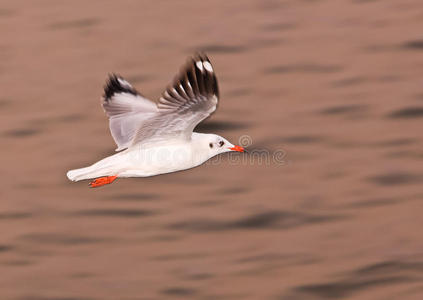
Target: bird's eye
<point>211,145</point>
<point>221,143</point>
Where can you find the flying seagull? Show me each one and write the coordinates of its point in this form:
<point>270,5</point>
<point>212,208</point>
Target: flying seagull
<point>159,138</point>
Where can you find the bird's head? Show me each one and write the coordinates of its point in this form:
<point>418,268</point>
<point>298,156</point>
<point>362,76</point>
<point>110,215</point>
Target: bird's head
<point>214,144</point>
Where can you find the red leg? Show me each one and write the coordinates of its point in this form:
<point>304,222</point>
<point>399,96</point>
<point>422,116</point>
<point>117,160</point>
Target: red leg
<point>102,181</point>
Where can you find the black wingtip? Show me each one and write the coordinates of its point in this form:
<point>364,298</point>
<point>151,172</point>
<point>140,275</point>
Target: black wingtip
<point>117,84</point>
<point>195,83</point>
<point>206,74</point>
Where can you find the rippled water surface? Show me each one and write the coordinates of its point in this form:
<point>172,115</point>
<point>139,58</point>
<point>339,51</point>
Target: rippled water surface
<point>334,87</point>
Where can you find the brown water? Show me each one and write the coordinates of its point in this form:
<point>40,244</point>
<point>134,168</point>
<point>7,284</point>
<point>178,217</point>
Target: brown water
<point>334,86</point>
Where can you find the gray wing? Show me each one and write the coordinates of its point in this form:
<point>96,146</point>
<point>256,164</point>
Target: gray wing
<point>191,98</point>
<point>126,109</point>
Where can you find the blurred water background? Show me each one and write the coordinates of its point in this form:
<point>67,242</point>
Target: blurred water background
<point>335,86</point>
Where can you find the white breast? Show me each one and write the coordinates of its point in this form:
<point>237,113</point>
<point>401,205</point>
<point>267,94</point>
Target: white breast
<point>159,160</point>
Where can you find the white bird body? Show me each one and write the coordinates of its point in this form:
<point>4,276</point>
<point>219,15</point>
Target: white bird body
<point>151,160</point>
<point>158,139</point>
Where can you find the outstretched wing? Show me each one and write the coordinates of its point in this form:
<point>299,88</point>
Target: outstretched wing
<point>127,110</point>
<point>191,98</point>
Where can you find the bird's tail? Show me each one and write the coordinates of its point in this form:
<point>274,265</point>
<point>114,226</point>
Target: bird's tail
<point>85,173</point>
<point>104,167</point>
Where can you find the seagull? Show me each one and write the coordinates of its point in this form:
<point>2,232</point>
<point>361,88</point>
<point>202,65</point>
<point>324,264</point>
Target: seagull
<point>155,139</point>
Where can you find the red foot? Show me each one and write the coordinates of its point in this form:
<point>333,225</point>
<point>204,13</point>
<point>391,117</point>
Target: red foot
<point>102,181</point>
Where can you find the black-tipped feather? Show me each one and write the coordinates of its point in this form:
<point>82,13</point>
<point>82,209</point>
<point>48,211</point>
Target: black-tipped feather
<point>196,83</point>
<point>115,85</point>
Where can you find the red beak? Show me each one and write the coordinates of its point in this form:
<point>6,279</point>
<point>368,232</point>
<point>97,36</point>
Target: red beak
<point>237,148</point>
